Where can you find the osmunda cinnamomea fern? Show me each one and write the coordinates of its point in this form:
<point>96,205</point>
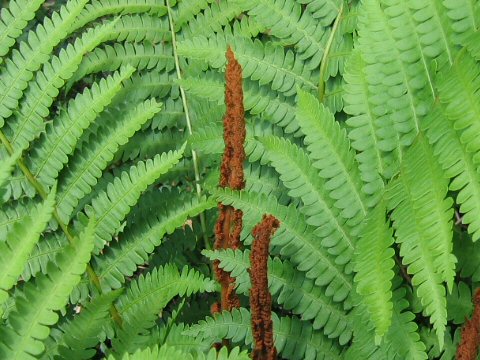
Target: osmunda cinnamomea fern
<point>362,122</point>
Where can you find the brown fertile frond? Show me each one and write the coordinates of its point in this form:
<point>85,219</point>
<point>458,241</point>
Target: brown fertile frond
<point>468,348</point>
<point>260,297</point>
<point>229,224</point>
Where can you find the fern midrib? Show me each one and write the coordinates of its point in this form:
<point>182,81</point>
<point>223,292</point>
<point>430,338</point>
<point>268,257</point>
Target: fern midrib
<point>436,14</point>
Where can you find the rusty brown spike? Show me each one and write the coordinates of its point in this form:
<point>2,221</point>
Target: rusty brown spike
<point>468,348</point>
<point>229,224</point>
<point>260,297</point>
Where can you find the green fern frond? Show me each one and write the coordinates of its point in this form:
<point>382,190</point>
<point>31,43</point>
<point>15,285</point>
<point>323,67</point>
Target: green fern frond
<point>295,169</point>
<point>6,168</point>
<point>422,218</point>
<point>99,8</point>
<point>465,17</point>
<point>266,63</point>
<point>44,252</point>
<point>89,161</point>
<point>324,12</point>
<point>13,20</point>
<point>140,27</point>
<point>80,334</point>
<point>188,10</point>
<point>28,119</point>
<point>287,22</point>
<point>149,294</point>
<point>32,54</point>
<point>142,56</point>
<point>138,242</point>
<point>19,243</point>
<point>35,308</point>
<point>112,205</point>
<point>364,131</point>
<point>459,91</point>
<point>290,289</point>
<point>374,268</point>
<point>329,148</point>
<point>59,140</point>
<point>459,303</point>
<point>293,339</point>
<point>12,213</point>
<point>211,20</point>
<point>295,239</point>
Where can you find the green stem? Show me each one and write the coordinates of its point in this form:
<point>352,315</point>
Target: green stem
<point>43,194</point>
<point>326,53</point>
<point>189,123</point>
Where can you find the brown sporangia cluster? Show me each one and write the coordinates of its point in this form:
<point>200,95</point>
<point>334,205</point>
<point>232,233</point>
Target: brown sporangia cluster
<point>260,298</point>
<point>468,348</point>
<point>229,224</point>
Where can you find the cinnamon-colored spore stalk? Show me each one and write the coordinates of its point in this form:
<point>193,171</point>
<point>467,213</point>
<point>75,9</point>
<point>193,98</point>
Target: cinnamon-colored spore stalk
<point>260,298</point>
<point>468,348</point>
<point>229,224</point>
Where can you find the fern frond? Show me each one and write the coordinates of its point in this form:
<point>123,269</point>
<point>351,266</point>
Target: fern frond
<point>188,10</point>
<point>459,303</point>
<point>28,121</point>
<point>53,149</point>
<point>293,339</point>
<point>295,169</point>
<point>138,242</point>
<point>287,22</point>
<point>324,12</point>
<point>465,17</point>
<point>138,28</point>
<point>459,91</point>
<point>149,294</point>
<point>211,20</point>
<point>13,20</point>
<point>139,55</point>
<point>329,148</point>
<point>12,213</point>
<point>295,239</point>
<point>19,243</point>
<point>45,251</point>
<point>89,161</point>
<point>374,268</point>
<point>266,63</point>
<point>32,54</point>
<point>99,8</point>
<point>172,334</point>
<point>422,216</point>
<point>35,309</point>
<point>364,129</point>
<point>80,334</point>
<point>111,205</point>
<point>6,168</point>
<point>290,289</point>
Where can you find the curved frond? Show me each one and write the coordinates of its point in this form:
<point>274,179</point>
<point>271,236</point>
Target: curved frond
<point>32,54</point>
<point>295,169</point>
<point>28,119</point>
<point>13,20</point>
<point>329,148</point>
<point>374,268</point>
<point>89,161</point>
<point>110,207</point>
<point>19,243</point>
<point>422,218</point>
<point>465,17</point>
<point>149,294</point>
<point>35,308</point>
<point>61,136</point>
<point>138,242</point>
